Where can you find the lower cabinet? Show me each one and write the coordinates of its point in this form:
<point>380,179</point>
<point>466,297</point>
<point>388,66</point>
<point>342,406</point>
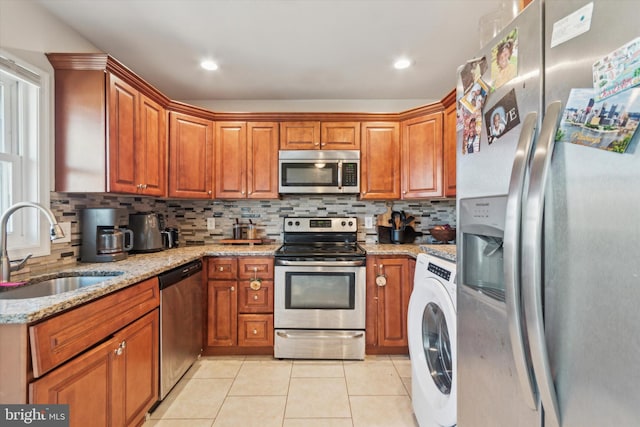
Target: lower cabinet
<point>113,384</point>
<point>389,286</point>
<point>239,305</point>
<point>115,381</point>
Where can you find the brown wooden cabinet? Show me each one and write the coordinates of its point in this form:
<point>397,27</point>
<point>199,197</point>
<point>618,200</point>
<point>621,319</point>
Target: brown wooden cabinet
<point>388,304</point>
<point>190,156</point>
<point>449,143</point>
<point>240,305</point>
<point>314,135</point>
<point>113,384</point>
<point>151,157</point>
<point>246,160</point>
<point>137,141</point>
<point>422,157</point>
<point>380,161</point>
<point>340,135</point>
<point>106,372</point>
<point>110,128</point>
<point>300,135</point>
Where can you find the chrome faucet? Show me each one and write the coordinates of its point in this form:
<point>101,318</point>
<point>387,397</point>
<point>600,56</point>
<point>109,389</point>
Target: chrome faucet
<point>5,264</point>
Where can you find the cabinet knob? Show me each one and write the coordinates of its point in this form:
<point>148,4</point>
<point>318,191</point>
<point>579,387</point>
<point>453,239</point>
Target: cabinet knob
<point>242,192</point>
<point>255,297</point>
<point>316,144</point>
<point>221,268</point>
<point>255,332</point>
<point>233,288</point>
<point>209,192</point>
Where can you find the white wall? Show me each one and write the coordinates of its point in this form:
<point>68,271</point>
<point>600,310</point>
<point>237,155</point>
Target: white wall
<point>27,31</point>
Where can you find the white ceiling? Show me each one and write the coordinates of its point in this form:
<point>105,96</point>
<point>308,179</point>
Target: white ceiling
<point>284,49</point>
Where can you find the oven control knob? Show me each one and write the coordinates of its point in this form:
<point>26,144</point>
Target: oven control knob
<point>350,223</point>
<point>290,223</point>
<point>343,223</point>
<point>297,223</point>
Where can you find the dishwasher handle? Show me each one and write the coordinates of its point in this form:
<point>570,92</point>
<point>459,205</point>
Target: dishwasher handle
<point>178,274</point>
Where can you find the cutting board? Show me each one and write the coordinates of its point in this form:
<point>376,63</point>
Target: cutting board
<point>384,218</point>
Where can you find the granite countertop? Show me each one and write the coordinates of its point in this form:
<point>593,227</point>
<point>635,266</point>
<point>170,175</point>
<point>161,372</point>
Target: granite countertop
<point>139,267</point>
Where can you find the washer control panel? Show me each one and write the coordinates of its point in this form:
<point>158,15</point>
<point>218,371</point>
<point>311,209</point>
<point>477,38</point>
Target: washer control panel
<point>439,271</point>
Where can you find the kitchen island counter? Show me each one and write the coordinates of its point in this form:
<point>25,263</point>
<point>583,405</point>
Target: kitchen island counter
<point>139,267</point>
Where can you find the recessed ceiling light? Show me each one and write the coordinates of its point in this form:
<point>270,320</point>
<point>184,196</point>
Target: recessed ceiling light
<point>209,65</point>
<point>401,64</point>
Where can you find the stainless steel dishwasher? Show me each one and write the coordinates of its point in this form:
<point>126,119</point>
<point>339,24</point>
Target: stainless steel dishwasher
<point>181,317</point>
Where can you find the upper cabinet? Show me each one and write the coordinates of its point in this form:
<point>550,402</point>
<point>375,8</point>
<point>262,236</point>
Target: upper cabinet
<point>422,157</point>
<point>191,156</point>
<point>246,160</point>
<point>449,139</point>
<point>314,135</point>
<point>300,135</point>
<point>340,135</point>
<point>380,161</point>
<point>116,133</point>
<point>110,128</point>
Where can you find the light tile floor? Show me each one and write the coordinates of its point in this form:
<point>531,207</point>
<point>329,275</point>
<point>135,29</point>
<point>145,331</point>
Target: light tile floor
<point>261,391</point>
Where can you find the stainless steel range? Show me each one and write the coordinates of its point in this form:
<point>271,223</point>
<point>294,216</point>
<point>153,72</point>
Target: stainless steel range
<point>319,295</point>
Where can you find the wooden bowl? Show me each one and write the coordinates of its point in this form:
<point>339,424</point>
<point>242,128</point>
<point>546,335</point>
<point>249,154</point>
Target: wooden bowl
<point>443,235</point>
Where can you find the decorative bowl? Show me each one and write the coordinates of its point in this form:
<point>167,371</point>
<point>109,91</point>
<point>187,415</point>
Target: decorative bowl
<point>443,235</point>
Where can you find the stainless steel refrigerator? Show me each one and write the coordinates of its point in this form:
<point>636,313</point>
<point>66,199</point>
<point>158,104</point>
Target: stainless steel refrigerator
<point>548,234</point>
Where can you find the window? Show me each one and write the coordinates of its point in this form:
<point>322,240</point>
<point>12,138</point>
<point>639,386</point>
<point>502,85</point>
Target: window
<point>24,153</point>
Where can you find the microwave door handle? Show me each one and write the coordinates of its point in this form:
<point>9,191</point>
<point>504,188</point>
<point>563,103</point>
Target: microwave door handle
<point>340,174</point>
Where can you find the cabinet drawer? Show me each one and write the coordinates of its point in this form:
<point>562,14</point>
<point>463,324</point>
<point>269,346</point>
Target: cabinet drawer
<point>252,267</point>
<point>255,330</point>
<point>252,300</point>
<point>222,268</point>
<point>56,340</point>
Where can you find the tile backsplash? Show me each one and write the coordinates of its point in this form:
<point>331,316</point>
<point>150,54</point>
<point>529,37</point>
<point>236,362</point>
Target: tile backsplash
<point>190,217</point>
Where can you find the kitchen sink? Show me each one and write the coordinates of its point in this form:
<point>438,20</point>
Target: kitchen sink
<point>63,282</point>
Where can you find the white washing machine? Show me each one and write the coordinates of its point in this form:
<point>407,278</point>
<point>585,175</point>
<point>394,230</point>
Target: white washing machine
<point>432,342</point>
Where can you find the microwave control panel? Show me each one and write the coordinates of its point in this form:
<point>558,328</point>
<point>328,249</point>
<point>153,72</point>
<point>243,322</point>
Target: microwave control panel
<point>350,174</point>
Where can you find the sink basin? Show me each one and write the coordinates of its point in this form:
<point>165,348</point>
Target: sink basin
<point>65,282</point>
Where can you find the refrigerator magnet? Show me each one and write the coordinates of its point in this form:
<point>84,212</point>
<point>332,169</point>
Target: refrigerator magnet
<point>473,100</point>
<point>617,71</point>
<point>472,71</point>
<point>608,125</point>
<point>502,117</point>
<point>471,132</point>
<point>504,59</point>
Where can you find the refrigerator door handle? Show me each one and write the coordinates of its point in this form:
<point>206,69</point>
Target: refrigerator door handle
<point>532,262</point>
<point>512,260</point>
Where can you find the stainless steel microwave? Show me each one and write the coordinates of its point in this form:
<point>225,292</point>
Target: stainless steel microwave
<point>319,171</point>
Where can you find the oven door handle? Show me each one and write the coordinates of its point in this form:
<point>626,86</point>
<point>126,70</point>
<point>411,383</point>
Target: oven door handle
<point>319,334</point>
<point>356,263</point>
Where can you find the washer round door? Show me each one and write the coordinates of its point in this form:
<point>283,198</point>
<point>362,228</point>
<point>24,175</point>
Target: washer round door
<point>432,347</point>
